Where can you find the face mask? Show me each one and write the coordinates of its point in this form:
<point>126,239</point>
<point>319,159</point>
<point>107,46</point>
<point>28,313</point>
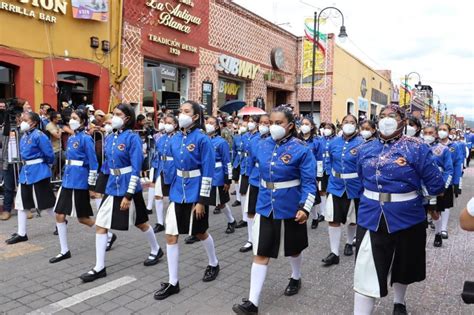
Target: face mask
<point>452,137</point>
<point>184,121</point>
<point>169,128</point>
<point>24,126</point>
<point>161,126</point>
<point>321,131</point>
<point>366,134</point>
<point>116,122</point>
<point>388,126</point>
<point>339,134</point>
<point>468,131</point>
<point>443,134</point>
<point>411,131</point>
<point>305,129</point>
<point>327,132</point>
<point>210,128</point>
<point>429,139</point>
<point>348,129</point>
<point>263,129</point>
<point>277,132</point>
<point>251,126</point>
<point>74,124</point>
<point>242,130</point>
<point>108,128</point>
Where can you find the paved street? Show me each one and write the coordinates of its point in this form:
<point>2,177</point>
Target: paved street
<point>28,282</point>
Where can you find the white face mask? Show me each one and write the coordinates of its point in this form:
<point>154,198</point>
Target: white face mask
<point>251,126</point>
<point>321,131</point>
<point>74,124</point>
<point>429,139</point>
<point>263,129</point>
<point>210,128</point>
<point>366,134</point>
<point>305,129</point>
<point>108,128</point>
<point>452,137</point>
<point>327,132</point>
<point>348,129</point>
<point>161,126</point>
<point>169,128</point>
<point>242,130</point>
<point>411,131</point>
<point>443,134</point>
<point>116,122</point>
<point>24,126</point>
<point>184,121</point>
<point>277,132</point>
<point>388,126</point>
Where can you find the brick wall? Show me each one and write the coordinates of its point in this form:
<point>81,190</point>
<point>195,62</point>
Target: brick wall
<point>132,58</point>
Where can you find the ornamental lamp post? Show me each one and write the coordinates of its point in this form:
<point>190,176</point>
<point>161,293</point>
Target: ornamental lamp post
<point>407,77</point>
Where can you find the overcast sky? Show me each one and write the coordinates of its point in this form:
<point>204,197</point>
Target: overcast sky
<point>433,38</point>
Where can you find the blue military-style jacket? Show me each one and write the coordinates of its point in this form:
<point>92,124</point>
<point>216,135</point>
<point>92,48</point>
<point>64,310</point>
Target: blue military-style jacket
<point>163,161</point>
<point>457,156</point>
<point>36,148</point>
<point>323,155</point>
<point>443,160</point>
<point>223,167</point>
<point>237,145</point>
<point>255,143</point>
<point>245,167</point>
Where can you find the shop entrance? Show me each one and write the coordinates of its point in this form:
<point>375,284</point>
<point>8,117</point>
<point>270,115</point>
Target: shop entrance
<point>75,88</point>
<point>7,82</point>
<point>276,97</point>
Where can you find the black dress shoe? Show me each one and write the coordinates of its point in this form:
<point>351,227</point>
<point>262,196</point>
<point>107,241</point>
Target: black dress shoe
<point>211,273</point>
<point>16,239</point>
<point>246,248</point>
<point>320,218</point>
<point>399,309</point>
<point>149,211</point>
<point>241,224</point>
<point>348,250</point>
<point>93,275</point>
<point>60,257</point>
<point>217,210</point>
<point>153,259</point>
<point>230,228</point>
<point>56,230</point>
<point>166,290</point>
<point>158,228</point>
<point>233,193</point>
<point>331,259</point>
<point>444,235</point>
<point>293,287</point>
<point>191,239</point>
<point>236,203</point>
<point>111,242</point>
<point>438,240</point>
<point>245,308</point>
<point>314,224</point>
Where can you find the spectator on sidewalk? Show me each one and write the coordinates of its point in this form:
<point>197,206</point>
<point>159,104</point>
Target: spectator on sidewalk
<point>54,132</point>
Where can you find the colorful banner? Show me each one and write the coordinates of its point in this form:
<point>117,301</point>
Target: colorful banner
<point>404,96</point>
<point>97,10</point>
<point>321,56</point>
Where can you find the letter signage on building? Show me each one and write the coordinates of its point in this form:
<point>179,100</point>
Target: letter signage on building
<point>46,9</point>
<point>237,67</point>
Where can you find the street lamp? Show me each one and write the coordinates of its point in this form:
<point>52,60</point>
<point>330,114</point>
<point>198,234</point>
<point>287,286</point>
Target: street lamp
<point>342,36</point>
<point>407,76</point>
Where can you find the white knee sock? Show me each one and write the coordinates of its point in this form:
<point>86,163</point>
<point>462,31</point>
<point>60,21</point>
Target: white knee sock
<point>249,229</point>
<point>151,197</point>
<point>228,214</point>
<point>399,291</point>
<point>314,212</point>
<point>296,266</point>
<point>208,244</point>
<point>97,203</point>
<point>237,192</point>
<point>363,305</point>
<point>109,235</point>
<point>100,246</point>
<point>22,222</point>
<point>51,213</point>
<point>62,233</point>
<point>444,220</point>
<point>322,205</point>
<point>335,238</point>
<point>257,278</point>
<point>159,211</point>
<point>244,214</point>
<point>172,256</point>
<point>351,232</point>
<point>154,246</point>
<point>437,224</point>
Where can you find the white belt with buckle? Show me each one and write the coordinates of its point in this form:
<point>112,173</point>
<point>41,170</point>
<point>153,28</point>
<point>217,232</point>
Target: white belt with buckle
<point>239,153</point>
<point>121,171</point>
<point>441,169</point>
<point>188,174</point>
<point>281,185</point>
<point>218,164</point>
<point>344,175</point>
<point>388,197</point>
<point>74,162</point>
<point>167,158</point>
<point>257,165</point>
<point>32,162</point>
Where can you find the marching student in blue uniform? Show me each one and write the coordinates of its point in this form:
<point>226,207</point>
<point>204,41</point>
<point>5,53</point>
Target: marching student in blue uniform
<point>34,190</point>
<point>413,127</point>
<point>469,136</point>
<point>123,204</point>
<point>391,233</point>
<point>152,140</point>
<point>237,154</point>
<point>442,157</point>
<point>249,207</point>
<point>285,198</point>
<point>368,130</point>
<point>308,135</point>
<point>164,170</point>
<point>322,161</point>
<point>190,192</point>
<point>222,173</point>
<point>458,159</point>
<point>343,188</point>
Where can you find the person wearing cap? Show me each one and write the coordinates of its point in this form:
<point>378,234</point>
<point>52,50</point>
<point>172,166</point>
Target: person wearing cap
<point>391,228</point>
<point>98,118</point>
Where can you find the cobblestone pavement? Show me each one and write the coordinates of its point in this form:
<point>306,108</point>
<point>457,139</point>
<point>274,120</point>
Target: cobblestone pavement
<point>28,282</point>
